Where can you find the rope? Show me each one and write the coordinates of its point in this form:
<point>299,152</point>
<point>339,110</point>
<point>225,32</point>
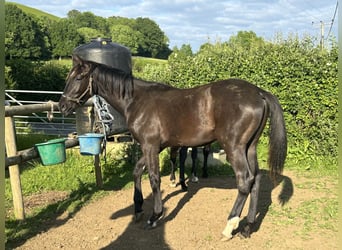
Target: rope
<point>49,114</point>
<point>104,117</point>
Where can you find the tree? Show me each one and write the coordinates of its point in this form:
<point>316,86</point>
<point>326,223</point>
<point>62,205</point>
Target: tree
<point>117,20</point>
<point>185,50</point>
<point>89,20</point>
<point>23,36</point>
<point>45,24</point>
<point>246,40</point>
<point>64,38</point>
<point>126,36</point>
<point>89,33</point>
<point>73,14</point>
<point>154,39</point>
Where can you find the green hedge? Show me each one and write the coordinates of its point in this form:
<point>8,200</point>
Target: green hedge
<point>24,74</point>
<point>303,77</point>
<point>298,73</point>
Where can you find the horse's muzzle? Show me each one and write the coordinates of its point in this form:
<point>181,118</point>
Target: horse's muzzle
<point>65,106</point>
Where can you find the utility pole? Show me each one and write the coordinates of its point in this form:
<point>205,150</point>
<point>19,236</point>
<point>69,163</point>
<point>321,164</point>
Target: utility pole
<point>322,36</point>
<point>321,39</point>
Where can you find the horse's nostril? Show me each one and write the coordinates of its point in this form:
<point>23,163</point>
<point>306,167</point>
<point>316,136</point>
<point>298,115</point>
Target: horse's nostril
<point>61,107</point>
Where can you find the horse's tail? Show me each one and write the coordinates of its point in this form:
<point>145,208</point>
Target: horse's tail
<point>277,137</point>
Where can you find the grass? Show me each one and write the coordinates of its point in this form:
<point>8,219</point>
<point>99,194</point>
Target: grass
<point>25,141</point>
<point>312,215</point>
<point>35,12</point>
<point>76,177</point>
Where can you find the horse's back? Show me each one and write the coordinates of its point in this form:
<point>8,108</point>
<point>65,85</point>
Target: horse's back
<point>235,89</point>
<point>195,116</point>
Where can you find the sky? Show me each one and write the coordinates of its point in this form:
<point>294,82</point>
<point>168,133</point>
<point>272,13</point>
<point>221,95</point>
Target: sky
<point>196,22</point>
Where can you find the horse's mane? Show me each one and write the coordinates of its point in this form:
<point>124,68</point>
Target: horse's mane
<point>120,83</point>
<point>114,80</point>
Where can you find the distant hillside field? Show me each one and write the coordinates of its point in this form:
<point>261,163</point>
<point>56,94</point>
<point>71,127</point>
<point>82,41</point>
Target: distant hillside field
<point>35,12</point>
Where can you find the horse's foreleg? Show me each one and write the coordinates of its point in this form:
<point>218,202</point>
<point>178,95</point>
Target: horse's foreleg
<point>194,177</point>
<point>182,157</point>
<point>138,197</point>
<point>206,151</point>
<point>152,160</point>
<point>173,159</point>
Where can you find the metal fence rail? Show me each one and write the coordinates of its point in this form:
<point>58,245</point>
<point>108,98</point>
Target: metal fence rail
<point>49,122</point>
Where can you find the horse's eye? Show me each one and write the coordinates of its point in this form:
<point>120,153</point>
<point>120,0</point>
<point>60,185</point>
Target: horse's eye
<point>79,77</point>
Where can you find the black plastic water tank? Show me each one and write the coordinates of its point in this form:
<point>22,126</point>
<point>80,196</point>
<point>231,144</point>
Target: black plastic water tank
<point>104,51</point>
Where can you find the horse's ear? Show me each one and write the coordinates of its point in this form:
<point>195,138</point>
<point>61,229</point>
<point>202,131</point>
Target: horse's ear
<point>86,66</point>
<point>76,60</point>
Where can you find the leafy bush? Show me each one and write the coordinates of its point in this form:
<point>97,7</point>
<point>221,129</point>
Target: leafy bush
<point>9,82</point>
<point>30,75</point>
<point>150,69</point>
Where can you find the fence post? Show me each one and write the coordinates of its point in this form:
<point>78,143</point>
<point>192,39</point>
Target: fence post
<point>98,173</point>
<point>14,171</point>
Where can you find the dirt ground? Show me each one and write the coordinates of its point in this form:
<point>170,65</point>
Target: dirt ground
<point>192,220</point>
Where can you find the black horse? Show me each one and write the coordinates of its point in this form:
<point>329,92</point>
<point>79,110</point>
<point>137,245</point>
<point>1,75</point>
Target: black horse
<point>232,112</point>
<point>183,153</point>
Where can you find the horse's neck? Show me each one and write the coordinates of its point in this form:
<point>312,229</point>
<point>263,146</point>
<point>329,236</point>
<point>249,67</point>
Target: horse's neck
<point>141,88</point>
<point>117,103</point>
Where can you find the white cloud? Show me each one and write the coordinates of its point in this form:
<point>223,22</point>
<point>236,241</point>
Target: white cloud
<point>193,21</point>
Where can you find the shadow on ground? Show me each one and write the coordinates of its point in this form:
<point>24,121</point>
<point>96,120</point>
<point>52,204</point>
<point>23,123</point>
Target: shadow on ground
<point>135,237</point>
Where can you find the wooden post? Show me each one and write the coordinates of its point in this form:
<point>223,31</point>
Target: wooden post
<point>14,171</point>
<point>98,173</point>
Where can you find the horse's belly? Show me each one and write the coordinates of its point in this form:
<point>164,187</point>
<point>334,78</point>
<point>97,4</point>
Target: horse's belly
<point>189,138</point>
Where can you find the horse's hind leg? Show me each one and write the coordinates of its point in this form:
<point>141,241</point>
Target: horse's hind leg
<point>244,181</point>
<point>138,197</point>
<point>206,151</point>
<point>194,177</point>
<point>254,170</point>
<point>182,157</point>
<point>173,159</point>
<point>251,216</point>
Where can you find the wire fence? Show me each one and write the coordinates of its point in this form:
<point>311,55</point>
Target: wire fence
<point>48,122</point>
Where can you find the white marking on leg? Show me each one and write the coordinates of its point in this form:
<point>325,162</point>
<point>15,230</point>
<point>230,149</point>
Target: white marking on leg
<point>232,224</point>
<point>173,183</point>
<point>194,178</point>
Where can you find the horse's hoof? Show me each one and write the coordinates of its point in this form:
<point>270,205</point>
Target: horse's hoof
<point>151,226</point>
<point>184,187</point>
<point>226,238</point>
<point>245,232</point>
<point>138,216</point>
<point>194,179</point>
<point>153,221</point>
<point>232,224</point>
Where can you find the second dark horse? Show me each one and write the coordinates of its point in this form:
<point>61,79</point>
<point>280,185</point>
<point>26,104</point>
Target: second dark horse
<point>183,152</point>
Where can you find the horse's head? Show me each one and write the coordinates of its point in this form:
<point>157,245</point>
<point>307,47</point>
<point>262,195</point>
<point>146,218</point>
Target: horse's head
<point>78,88</point>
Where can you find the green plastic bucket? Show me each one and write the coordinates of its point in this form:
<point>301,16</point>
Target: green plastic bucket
<point>52,152</point>
<point>90,143</point>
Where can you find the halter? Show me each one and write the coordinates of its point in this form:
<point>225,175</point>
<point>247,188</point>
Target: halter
<point>89,88</point>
